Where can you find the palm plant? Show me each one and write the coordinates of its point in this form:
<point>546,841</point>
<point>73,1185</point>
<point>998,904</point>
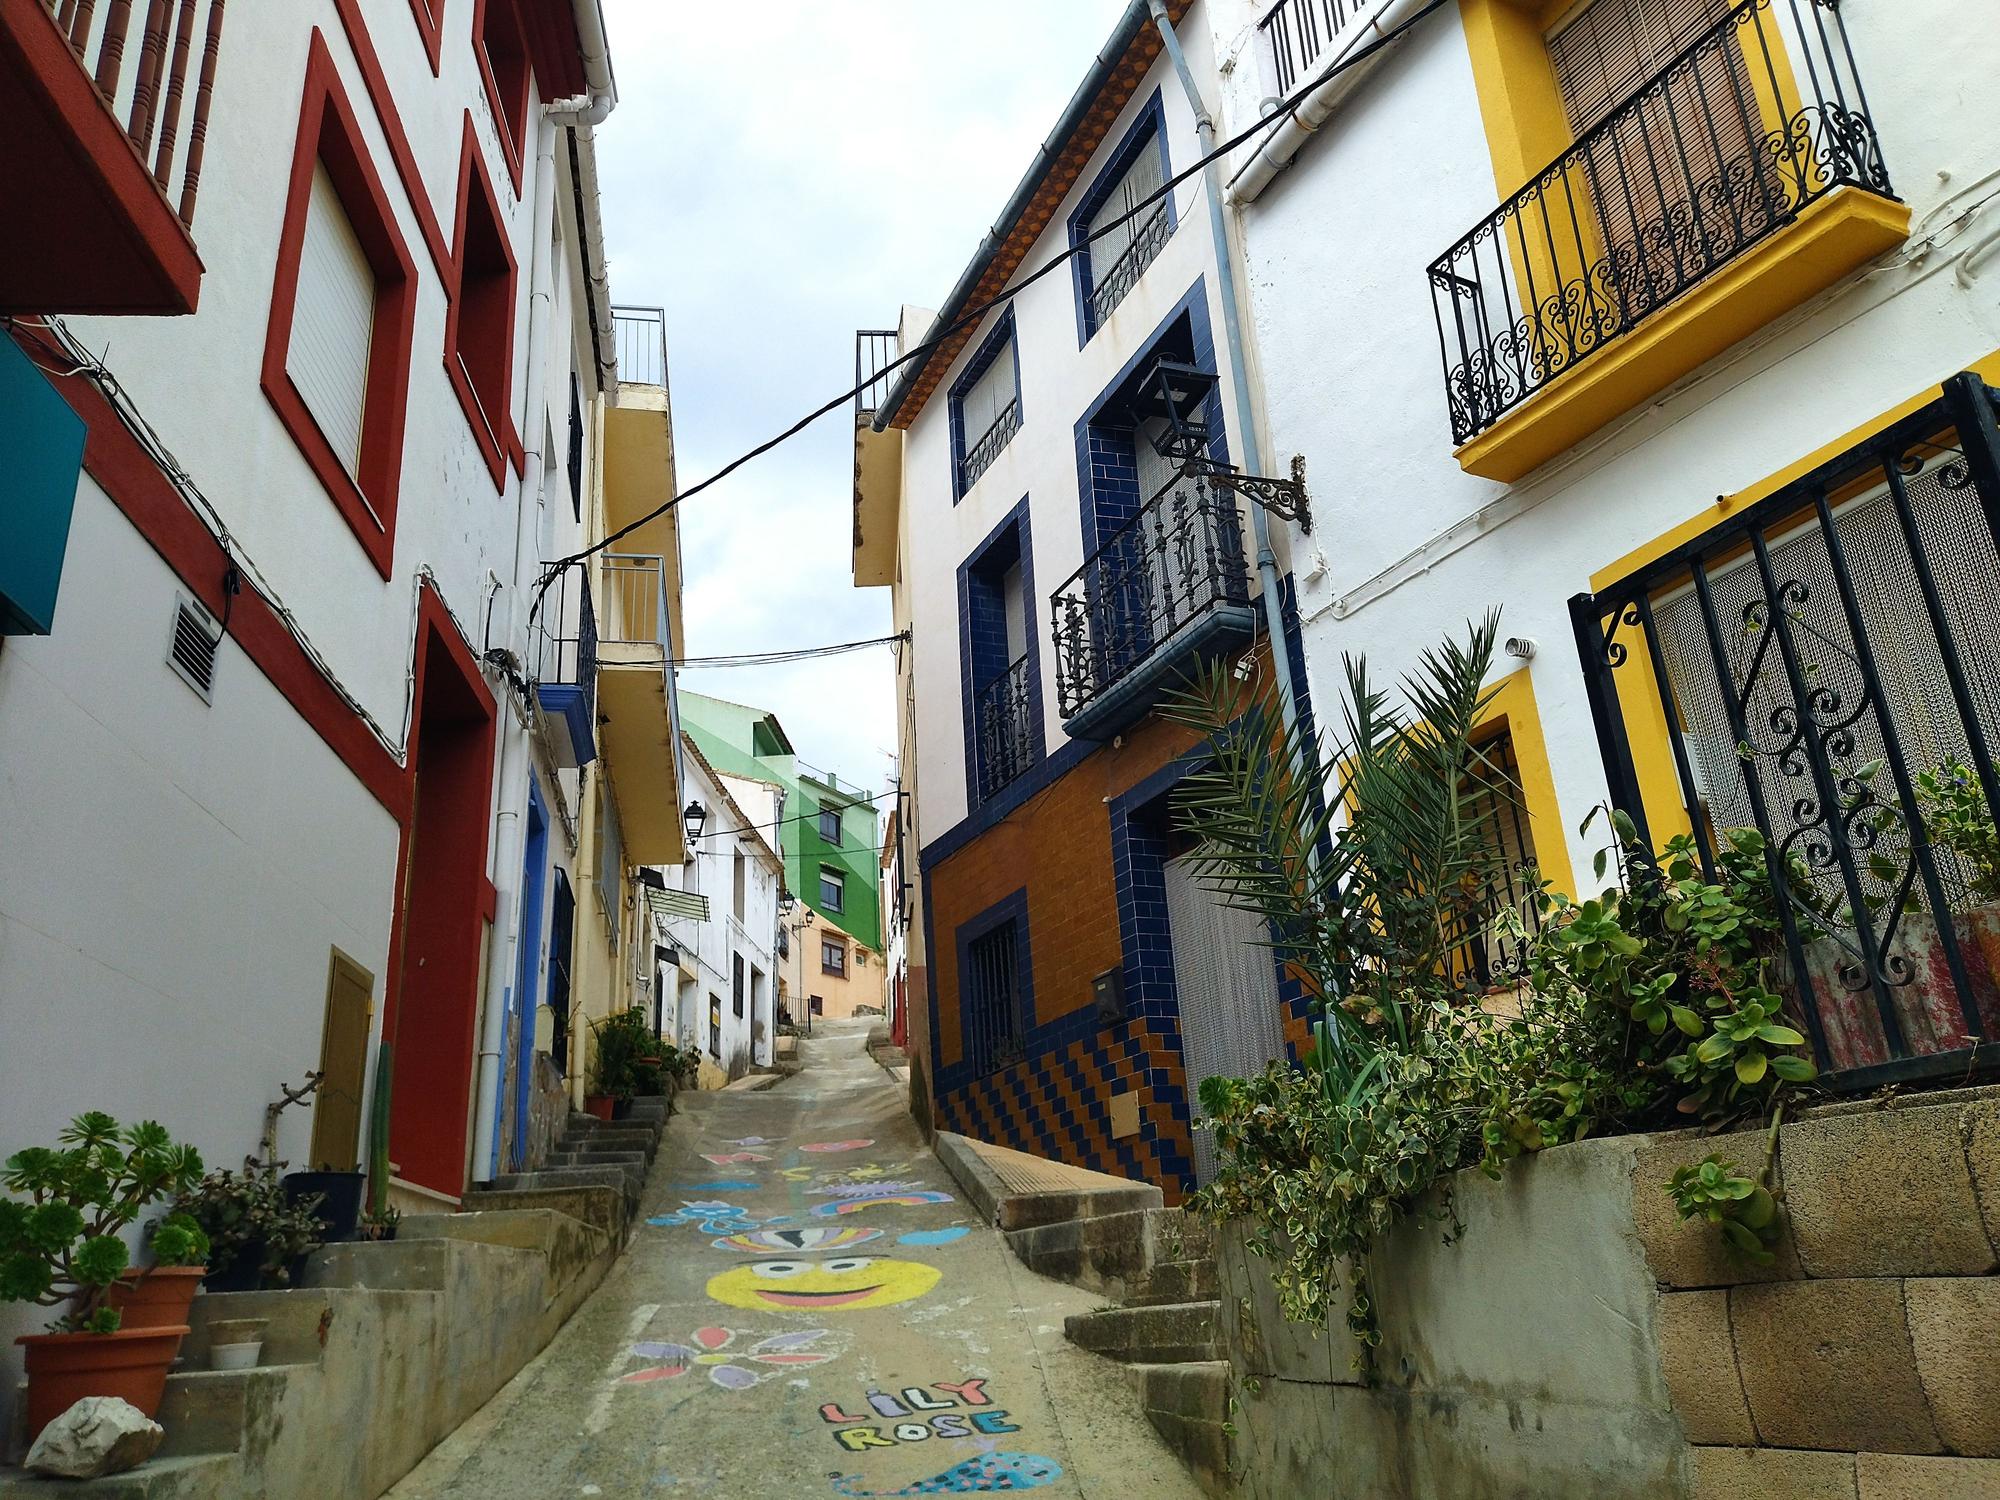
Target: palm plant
<point>1370,854</point>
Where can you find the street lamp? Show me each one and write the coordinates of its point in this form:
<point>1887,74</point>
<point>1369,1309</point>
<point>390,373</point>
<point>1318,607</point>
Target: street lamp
<point>1175,393</point>
<point>694,817</point>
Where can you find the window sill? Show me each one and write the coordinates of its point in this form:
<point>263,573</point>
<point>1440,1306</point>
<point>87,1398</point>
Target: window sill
<point>1833,237</point>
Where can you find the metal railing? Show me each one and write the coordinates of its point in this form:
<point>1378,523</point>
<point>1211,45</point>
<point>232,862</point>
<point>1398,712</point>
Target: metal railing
<point>981,452</point>
<point>1761,116</point>
<point>874,352</point>
<point>641,335</point>
<point>634,609</point>
<point>1179,558</point>
<point>1003,717</point>
<point>140,57</point>
<point>1829,663</point>
<point>1298,31</point>
<point>991,993</point>
<point>1108,290</point>
<point>562,642</point>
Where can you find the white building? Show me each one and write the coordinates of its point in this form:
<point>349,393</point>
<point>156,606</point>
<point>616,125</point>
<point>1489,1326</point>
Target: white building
<point>718,916</point>
<point>1556,310</point>
<point>271,705</point>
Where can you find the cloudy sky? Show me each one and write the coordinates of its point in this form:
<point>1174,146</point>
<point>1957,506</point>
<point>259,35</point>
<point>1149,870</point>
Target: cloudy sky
<point>776,176</point>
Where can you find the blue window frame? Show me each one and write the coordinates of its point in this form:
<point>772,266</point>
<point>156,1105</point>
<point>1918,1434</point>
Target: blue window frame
<point>985,406</point>
<point>1000,668</point>
<point>996,987</point>
<point>1118,256</point>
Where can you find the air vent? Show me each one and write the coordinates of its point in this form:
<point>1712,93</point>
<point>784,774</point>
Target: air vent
<point>192,651</point>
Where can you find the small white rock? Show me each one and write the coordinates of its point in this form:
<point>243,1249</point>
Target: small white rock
<point>99,1435</point>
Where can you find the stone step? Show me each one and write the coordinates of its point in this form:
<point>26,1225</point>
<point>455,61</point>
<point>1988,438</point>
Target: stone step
<point>592,1156</point>
<point>398,1265</point>
<point>292,1332</point>
<point>1175,1281</point>
<point>603,1208</point>
<point>1163,1333</point>
<point>645,1141</point>
<point>627,1180</point>
<point>205,1476</point>
<point>1188,1405</point>
<point>1116,1253</point>
<point>203,1410</point>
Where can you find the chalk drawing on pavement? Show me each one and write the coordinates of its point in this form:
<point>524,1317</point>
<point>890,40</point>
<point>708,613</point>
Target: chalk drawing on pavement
<point>837,1188</point>
<point>845,1284</point>
<point>855,1145</point>
<point>713,1215</point>
<point>894,1200</point>
<point>725,1185</point>
<point>933,1236</point>
<point>888,1421</point>
<point>990,1473</point>
<point>736,1371</point>
<point>805,1240</point>
<point>755,1140</point>
<point>732,1158</point>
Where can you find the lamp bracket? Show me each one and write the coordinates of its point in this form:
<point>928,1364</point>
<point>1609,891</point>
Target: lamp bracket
<point>1281,497</point>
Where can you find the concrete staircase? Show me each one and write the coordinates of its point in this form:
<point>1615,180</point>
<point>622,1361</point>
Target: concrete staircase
<point>1155,1266</point>
<point>597,1171</point>
<point>389,1346</point>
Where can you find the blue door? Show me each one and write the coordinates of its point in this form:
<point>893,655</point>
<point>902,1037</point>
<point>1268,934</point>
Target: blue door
<point>534,876</point>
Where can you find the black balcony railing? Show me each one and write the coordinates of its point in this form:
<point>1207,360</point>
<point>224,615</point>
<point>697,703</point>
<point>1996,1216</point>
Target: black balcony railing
<point>982,450</point>
<point>1109,287</point>
<point>1298,31</point>
<point>562,650</point>
<point>874,353</point>
<point>1169,566</point>
<point>1829,663</point>
<point>1004,716</point>
<point>1761,116</point>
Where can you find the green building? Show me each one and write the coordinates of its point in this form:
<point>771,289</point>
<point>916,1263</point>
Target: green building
<point>831,837</point>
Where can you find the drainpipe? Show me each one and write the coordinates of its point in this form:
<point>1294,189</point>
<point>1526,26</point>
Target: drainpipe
<point>1232,331</point>
<point>516,762</point>
<point>582,115</point>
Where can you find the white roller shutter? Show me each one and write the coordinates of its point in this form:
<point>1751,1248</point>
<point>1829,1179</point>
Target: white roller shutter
<point>990,395</point>
<point>333,318</point>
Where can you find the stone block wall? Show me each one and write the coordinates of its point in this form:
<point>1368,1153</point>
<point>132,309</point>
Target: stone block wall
<point>1864,1365</point>
<point>1579,1340</point>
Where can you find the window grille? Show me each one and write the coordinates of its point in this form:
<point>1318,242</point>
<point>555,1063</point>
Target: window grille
<point>991,991</point>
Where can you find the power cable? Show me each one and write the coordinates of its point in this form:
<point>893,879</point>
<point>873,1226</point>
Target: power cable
<point>797,653</point>
<point>971,316</point>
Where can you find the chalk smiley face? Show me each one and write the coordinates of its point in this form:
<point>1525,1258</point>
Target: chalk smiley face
<point>845,1283</point>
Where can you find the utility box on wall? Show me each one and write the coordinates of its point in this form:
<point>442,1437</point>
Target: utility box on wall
<point>42,440</point>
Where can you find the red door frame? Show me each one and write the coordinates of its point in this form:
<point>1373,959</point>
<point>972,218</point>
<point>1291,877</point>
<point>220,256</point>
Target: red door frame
<point>431,1005</point>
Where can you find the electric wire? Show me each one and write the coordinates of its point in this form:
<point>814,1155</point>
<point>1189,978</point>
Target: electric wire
<point>971,316</point>
<point>779,657</point>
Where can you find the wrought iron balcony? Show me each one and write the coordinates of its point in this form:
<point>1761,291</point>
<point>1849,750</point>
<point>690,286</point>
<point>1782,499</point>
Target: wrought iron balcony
<point>105,107</point>
<point>1299,31</point>
<point>1759,118</point>
<point>1171,583</point>
<point>563,666</point>
<point>981,452</point>
<point>1109,287</point>
<point>1004,715</point>
<point>1817,670</point>
<point>642,344</point>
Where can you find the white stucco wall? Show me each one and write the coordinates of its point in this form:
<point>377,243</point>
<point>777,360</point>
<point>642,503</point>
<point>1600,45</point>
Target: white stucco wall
<point>1058,383</point>
<point>1408,546</point>
<point>715,942</point>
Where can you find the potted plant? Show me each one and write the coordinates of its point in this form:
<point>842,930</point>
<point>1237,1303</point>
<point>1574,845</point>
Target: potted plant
<point>158,1297</point>
<point>60,1246</point>
<point>236,1343</point>
<point>379,1224</point>
<point>259,1235</point>
<point>622,1040</point>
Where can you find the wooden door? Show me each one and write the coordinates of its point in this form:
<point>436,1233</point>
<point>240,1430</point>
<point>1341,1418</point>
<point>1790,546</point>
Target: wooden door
<point>343,1064</point>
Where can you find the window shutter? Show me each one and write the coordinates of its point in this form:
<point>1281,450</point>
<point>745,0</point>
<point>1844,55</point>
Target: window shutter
<point>1155,472</point>
<point>989,395</point>
<point>1140,180</point>
<point>333,321</point>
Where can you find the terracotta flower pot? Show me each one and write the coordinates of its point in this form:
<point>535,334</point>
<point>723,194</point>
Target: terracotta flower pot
<point>158,1298</point>
<point>63,1368</point>
<point>600,1105</point>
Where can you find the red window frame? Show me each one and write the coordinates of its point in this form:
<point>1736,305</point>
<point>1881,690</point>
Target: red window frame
<point>330,132</point>
<point>485,285</point>
<point>500,42</point>
<point>430,23</point>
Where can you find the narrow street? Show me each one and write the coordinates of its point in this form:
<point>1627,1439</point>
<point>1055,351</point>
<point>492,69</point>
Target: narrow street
<point>807,1309</point>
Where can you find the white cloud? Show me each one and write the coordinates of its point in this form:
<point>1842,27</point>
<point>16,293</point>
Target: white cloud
<point>776,176</point>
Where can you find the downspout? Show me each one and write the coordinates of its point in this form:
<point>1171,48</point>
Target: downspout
<point>582,115</point>
<point>1232,332</point>
<point>516,760</point>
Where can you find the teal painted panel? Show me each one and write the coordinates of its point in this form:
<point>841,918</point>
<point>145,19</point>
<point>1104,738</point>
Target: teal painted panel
<point>43,443</point>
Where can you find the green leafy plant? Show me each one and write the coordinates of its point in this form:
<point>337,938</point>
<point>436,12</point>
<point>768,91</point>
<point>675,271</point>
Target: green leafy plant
<point>178,1240</point>
<point>624,1043</point>
<point>1741,1208</point>
<point>61,1245</point>
<point>380,1223</point>
<point>250,1214</point>
<point>1957,818</point>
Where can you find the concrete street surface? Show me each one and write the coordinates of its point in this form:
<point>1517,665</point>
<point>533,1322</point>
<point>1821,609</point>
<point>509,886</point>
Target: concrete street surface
<point>806,1309</point>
